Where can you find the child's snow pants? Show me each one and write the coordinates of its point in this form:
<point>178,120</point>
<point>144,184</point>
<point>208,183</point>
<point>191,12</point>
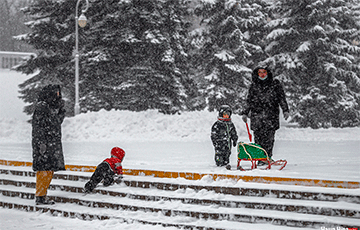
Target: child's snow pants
<point>102,172</point>
<point>222,154</point>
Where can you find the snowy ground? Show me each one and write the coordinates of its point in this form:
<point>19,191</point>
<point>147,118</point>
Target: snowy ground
<point>162,142</point>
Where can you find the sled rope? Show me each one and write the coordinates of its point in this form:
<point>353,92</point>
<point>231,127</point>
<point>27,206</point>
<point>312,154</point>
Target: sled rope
<point>242,144</point>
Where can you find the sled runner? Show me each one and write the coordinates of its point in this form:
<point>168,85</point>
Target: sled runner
<point>255,153</point>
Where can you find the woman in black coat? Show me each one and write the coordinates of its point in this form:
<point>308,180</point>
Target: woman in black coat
<point>265,97</point>
<point>46,139</point>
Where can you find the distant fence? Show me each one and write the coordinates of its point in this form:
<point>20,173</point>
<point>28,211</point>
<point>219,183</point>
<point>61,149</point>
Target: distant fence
<point>10,59</point>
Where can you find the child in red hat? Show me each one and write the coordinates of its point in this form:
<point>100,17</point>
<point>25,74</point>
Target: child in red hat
<point>106,170</point>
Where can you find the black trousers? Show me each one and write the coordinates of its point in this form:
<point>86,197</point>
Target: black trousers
<point>265,138</point>
<point>102,172</point>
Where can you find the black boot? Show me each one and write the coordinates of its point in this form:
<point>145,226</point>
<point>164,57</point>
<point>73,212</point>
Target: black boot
<point>42,200</point>
<point>262,163</point>
<point>89,187</point>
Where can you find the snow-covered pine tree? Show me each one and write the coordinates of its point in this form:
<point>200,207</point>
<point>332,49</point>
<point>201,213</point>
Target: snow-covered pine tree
<point>135,56</point>
<point>228,44</point>
<point>311,46</point>
<point>132,54</point>
<point>51,34</point>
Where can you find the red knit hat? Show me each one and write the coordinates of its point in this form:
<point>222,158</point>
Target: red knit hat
<point>118,152</point>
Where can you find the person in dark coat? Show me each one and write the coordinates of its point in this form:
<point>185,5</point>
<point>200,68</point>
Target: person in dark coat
<point>264,99</point>
<point>46,139</point>
<point>106,170</point>
<point>223,136</point>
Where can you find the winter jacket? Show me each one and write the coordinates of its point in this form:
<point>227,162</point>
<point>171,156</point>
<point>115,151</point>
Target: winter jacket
<point>223,134</point>
<point>263,102</point>
<point>46,130</point>
<point>115,165</point>
<point>117,156</point>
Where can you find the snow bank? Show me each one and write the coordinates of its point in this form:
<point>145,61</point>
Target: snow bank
<point>14,130</point>
<point>140,126</point>
<point>154,126</point>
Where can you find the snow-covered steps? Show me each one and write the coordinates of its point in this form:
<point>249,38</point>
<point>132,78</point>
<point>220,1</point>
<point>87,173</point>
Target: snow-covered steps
<point>245,189</point>
<point>200,197</point>
<point>146,218</point>
<point>339,209</point>
<point>195,201</point>
<point>67,210</point>
<point>175,209</point>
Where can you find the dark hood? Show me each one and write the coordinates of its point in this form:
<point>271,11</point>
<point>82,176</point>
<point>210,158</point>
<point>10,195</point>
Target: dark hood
<point>255,76</point>
<point>49,95</point>
<point>225,109</point>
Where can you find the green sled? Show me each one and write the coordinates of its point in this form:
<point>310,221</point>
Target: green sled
<point>252,149</point>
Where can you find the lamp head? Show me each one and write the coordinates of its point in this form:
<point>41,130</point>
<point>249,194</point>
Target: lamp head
<point>82,20</point>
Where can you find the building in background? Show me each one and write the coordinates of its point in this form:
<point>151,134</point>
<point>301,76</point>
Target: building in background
<point>10,59</point>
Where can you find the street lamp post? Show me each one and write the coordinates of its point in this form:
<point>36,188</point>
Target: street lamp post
<point>82,23</point>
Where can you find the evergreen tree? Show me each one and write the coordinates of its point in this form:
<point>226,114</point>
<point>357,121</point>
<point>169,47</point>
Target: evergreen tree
<point>229,44</point>
<point>311,47</point>
<point>132,54</point>
<point>135,57</point>
<point>51,34</point>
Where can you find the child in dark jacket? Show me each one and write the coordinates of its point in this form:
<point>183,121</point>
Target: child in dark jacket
<point>106,170</point>
<point>223,136</point>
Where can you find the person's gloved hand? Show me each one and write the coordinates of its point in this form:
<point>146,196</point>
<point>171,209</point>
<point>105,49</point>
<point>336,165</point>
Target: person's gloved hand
<point>244,117</point>
<point>61,103</point>
<point>234,143</point>
<point>286,115</point>
<point>118,178</point>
